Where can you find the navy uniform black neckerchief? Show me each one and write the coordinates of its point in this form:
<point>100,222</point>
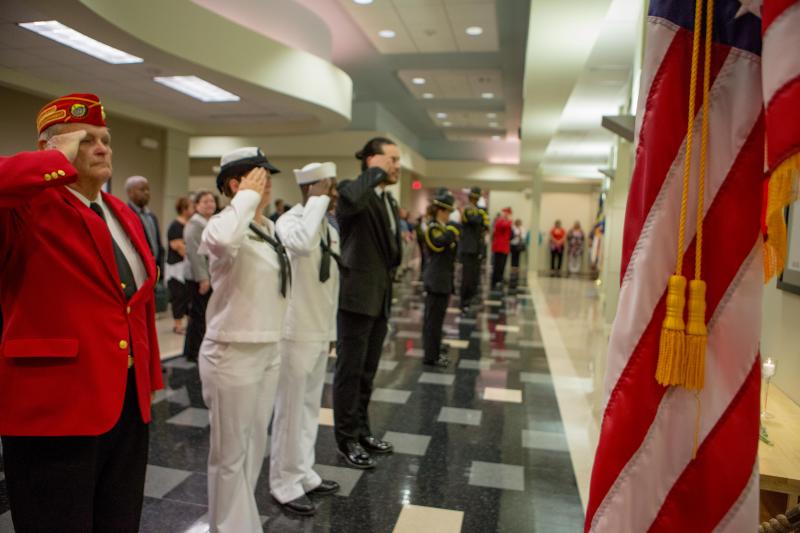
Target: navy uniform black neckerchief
<point>327,254</point>
<point>283,258</point>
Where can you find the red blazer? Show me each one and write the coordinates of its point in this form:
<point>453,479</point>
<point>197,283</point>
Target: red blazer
<point>501,240</point>
<point>64,353</point>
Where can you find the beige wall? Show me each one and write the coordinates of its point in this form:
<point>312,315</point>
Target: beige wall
<point>18,133</point>
<point>567,207</point>
<point>780,337</point>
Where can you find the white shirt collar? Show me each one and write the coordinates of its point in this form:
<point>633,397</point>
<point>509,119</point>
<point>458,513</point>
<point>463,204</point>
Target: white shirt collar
<point>86,201</point>
<point>379,191</point>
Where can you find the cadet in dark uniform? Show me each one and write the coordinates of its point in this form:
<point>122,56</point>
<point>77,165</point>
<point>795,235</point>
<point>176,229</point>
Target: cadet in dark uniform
<point>440,246</point>
<point>475,222</point>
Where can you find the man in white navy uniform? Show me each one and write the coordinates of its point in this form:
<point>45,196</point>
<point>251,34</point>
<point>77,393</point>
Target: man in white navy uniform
<point>309,330</point>
<point>239,361</point>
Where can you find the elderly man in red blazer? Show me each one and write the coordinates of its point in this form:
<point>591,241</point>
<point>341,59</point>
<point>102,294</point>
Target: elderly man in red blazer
<point>79,356</point>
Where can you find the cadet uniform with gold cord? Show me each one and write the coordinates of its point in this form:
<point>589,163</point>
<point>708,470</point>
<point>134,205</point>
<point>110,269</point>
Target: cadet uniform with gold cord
<point>441,241</point>
<point>475,222</point>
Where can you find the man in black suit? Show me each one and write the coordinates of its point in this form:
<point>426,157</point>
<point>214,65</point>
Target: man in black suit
<point>138,190</point>
<point>371,251</point>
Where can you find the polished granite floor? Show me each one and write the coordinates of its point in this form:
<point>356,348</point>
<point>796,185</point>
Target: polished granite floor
<point>480,447</point>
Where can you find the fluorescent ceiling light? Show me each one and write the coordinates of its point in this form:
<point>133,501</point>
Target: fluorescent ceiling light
<point>197,88</point>
<point>474,30</point>
<point>54,30</point>
<point>447,124</point>
<point>493,124</point>
<point>427,96</point>
<point>387,34</point>
<point>441,115</point>
<point>418,81</point>
<point>488,96</point>
<point>491,115</point>
<point>496,137</point>
<point>363,2</point>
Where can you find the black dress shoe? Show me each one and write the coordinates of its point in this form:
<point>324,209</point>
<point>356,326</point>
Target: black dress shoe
<point>444,348</point>
<point>328,486</point>
<point>302,506</point>
<point>376,445</point>
<point>356,456</point>
<point>442,362</point>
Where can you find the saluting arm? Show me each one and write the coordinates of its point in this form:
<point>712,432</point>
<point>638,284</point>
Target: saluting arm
<point>26,174</point>
<point>354,194</point>
<point>226,230</point>
<point>300,234</point>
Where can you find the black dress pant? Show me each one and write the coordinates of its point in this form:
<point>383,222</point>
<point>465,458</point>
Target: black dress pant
<point>80,484</point>
<point>498,267</point>
<point>358,351</point>
<point>435,311</point>
<point>556,256</point>
<point>470,277</point>
<point>179,298</point>
<point>196,329</point>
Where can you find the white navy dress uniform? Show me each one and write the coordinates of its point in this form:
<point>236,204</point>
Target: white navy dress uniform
<point>239,361</point>
<point>309,328</point>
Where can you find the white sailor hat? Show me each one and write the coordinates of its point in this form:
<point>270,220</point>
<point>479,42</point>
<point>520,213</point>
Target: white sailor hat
<point>313,172</point>
<point>240,161</point>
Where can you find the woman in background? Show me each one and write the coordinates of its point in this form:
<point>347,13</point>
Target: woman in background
<point>575,240</point>
<point>557,239</point>
<point>196,272</point>
<point>175,266</point>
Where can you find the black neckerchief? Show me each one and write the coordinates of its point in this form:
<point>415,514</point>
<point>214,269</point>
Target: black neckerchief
<point>283,258</point>
<point>327,254</point>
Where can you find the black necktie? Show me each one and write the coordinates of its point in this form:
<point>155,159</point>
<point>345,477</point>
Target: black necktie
<point>387,206</point>
<point>325,263</point>
<point>123,267</point>
<point>283,258</point>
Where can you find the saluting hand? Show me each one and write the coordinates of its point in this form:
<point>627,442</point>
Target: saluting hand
<point>320,188</point>
<point>255,180</point>
<point>67,143</point>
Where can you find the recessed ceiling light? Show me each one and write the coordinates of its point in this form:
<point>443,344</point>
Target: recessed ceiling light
<point>493,124</point>
<point>52,29</point>
<point>418,81</point>
<point>363,2</point>
<point>474,30</point>
<point>197,88</point>
<point>491,115</point>
<point>441,115</point>
<point>447,124</point>
<point>488,96</point>
<point>427,96</point>
<point>496,137</point>
<point>387,34</point>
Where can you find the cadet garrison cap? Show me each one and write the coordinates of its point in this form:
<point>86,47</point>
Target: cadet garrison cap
<point>241,161</point>
<point>444,199</point>
<point>82,108</point>
<point>475,191</point>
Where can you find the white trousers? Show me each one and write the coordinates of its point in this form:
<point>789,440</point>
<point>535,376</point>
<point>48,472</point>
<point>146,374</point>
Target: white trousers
<point>239,384</point>
<point>294,429</point>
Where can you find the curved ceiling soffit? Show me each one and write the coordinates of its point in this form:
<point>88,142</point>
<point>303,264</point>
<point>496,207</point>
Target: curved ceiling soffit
<point>314,85</point>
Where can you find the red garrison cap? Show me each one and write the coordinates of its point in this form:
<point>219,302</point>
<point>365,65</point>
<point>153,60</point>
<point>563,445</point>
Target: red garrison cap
<point>77,107</point>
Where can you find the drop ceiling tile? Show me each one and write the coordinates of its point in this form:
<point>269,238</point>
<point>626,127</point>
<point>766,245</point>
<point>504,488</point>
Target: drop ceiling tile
<point>429,27</point>
<point>481,14</point>
<point>381,15</point>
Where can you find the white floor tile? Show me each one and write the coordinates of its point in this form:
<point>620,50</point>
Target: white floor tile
<point>418,519</point>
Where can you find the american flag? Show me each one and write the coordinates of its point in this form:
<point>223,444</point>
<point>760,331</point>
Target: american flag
<point>644,476</point>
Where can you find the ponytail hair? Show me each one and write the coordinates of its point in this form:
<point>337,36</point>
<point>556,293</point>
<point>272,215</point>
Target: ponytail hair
<point>373,147</point>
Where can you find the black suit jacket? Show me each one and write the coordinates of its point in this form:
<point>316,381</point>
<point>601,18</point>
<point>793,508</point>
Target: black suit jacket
<point>368,259</point>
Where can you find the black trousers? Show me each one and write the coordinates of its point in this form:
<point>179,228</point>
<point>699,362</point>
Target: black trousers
<point>498,267</point>
<point>435,311</point>
<point>80,484</point>
<point>470,277</point>
<point>197,320</point>
<point>179,298</point>
<point>358,352</point>
<point>556,257</point>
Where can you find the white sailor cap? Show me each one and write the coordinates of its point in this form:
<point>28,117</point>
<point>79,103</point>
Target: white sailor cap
<point>313,172</point>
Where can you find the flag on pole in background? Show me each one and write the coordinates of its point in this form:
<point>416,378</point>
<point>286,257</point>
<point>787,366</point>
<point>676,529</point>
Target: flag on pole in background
<point>672,458</point>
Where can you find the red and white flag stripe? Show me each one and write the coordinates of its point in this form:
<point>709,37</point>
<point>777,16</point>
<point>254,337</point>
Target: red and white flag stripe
<point>644,478</point>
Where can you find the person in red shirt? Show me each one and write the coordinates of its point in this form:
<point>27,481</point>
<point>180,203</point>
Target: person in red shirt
<point>79,357</point>
<point>558,237</point>
<point>501,245</point>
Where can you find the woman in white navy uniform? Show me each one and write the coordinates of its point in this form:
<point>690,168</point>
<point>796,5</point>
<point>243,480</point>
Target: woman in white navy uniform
<point>309,330</point>
<point>239,360</point>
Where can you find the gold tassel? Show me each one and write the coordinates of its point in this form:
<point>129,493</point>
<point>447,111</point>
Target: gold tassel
<point>783,189</point>
<point>696,336</point>
<point>672,346</point>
